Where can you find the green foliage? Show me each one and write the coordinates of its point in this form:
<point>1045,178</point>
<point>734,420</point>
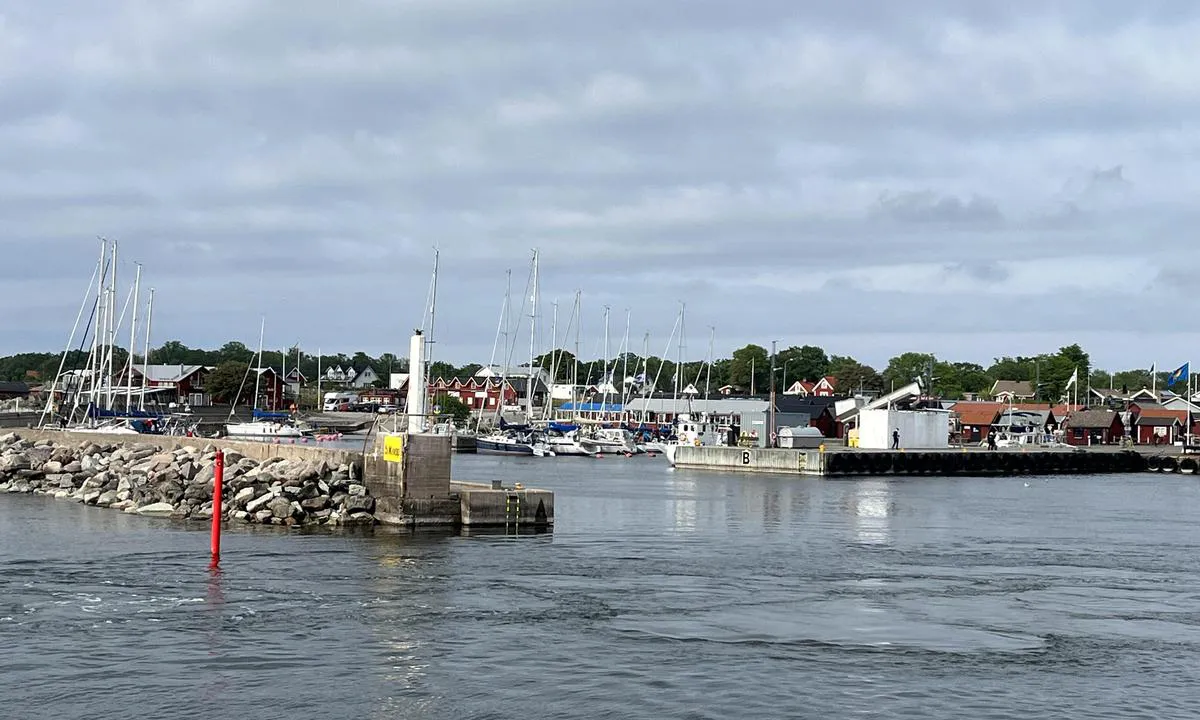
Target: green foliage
<point>853,376</point>
<point>224,382</point>
<point>452,406</point>
<point>807,362</point>
<point>750,368</point>
<point>906,368</point>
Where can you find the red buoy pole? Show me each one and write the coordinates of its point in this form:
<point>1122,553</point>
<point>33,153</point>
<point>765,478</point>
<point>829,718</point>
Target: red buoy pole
<point>218,481</point>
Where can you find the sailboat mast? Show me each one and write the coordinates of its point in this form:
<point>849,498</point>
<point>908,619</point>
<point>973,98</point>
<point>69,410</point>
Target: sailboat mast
<point>320,398</point>
<point>625,361</point>
<point>146,350</point>
<point>429,339</point>
<point>93,364</point>
<point>554,357</point>
<point>111,333</point>
<point>575,394</point>
<point>137,285</point>
<point>712,336</point>
<point>262,328</point>
<point>532,339</point>
<point>605,377</point>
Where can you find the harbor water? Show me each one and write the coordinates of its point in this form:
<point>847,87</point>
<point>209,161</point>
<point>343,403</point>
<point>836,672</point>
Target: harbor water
<point>659,594</point>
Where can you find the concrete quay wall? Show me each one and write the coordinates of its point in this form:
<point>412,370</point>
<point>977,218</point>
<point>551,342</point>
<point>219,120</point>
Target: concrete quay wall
<point>249,448</point>
<point>768,460</point>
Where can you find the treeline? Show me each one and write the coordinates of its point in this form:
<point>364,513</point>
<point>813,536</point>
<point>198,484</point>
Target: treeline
<point>747,368</point>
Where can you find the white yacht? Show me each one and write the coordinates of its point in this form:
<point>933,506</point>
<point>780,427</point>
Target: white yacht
<point>690,432</point>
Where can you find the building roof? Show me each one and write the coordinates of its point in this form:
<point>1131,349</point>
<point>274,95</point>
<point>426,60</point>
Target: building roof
<point>168,373</point>
<point>977,413</point>
<point>815,404</point>
<point>1099,418</point>
<point>13,387</point>
<point>1158,420</point>
<point>1020,388</point>
<point>724,406</point>
<point>1162,412</point>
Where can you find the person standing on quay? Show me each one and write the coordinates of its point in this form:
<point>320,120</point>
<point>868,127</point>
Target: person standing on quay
<point>896,439</point>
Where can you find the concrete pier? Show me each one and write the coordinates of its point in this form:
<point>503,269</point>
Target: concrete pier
<point>921,462</point>
<point>409,475</point>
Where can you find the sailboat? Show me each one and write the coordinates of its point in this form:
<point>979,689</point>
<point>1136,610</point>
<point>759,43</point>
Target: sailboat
<point>264,425</point>
<point>507,439</point>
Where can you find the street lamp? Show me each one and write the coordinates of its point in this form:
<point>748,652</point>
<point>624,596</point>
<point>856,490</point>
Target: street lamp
<point>785,369</point>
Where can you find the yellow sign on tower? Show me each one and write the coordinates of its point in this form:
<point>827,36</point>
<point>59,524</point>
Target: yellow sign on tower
<point>393,448</point>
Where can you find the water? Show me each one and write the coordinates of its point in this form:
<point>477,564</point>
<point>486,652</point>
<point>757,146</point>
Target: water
<point>660,594</point>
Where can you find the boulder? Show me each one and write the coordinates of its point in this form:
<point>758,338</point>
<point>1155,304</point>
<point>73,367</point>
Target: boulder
<point>260,502</point>
<point>356,490</point>
<point>314,504</point>
<point>73,467</point>
<point>244,496</point>
<point>360,503</point>
<point>281,507</point>
<point>52,467</point>
<point>107,498</point>
<point>262,516</point>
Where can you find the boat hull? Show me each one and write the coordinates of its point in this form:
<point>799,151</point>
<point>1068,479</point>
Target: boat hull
<point>492,446</point>
<point>258,431</point>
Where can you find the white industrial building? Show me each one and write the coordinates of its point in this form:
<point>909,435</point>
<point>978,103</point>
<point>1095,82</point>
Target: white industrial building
<point>919,429</point>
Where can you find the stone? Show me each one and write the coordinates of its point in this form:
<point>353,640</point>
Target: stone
<point>259,502</point>
<point>262,516</point>
<point>91,496</point>
<point>233,457</point>
<point>73,467</point>
<point>107,498</point>
<point>121,505</point>
<point>123,495</point>
<point>157,509</point>
<point>355,490</point>
<point>52,467</point>
<point>360,503</point>
<point>16,461</point>
<point>244,496</point>
<point>292,491</point>
<point>171,492</point>
<point>124,484</point>
<point>359,518</point>
<point>241,515</point>
<point>314,504</point>
<point>188,470</point>
<point>196,492</point>
<point>280,507</point>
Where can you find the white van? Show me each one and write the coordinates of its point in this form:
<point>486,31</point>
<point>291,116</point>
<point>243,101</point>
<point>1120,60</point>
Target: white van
<point>333,401</point>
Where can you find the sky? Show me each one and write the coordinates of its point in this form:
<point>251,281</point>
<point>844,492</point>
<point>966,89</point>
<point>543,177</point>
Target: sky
<point>969,179</point>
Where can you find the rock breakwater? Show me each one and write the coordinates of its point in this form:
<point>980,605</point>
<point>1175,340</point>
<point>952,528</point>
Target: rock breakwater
<point>144,479</point>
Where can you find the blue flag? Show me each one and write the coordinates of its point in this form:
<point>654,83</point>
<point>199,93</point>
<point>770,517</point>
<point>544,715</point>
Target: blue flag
<point>1181,373</point>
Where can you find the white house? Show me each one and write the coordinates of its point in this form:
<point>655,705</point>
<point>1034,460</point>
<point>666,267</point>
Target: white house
<point>363,378</point>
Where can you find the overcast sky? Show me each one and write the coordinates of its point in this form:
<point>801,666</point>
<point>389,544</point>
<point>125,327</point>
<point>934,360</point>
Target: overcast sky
<point>872,176</point>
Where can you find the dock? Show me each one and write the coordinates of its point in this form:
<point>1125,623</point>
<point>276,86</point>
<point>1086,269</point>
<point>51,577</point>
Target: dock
<point>942,462</point>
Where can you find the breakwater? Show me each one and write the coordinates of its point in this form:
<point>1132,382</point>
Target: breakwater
<point>932,462</point>
<point>282,486</point>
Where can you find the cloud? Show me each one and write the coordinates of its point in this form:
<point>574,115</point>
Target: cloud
<point>900,171</point>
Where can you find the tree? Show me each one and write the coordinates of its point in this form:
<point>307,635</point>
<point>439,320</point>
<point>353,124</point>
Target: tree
<point>235,351</point>
<point>452,406</point>
<point>172,352</point>
<point>905,368</point>
<point>952,380</point>
<point>750,368</point>
<point>440,369</point>
<point>853,376</point>
<point>807,362</point>
<point>226,380</point>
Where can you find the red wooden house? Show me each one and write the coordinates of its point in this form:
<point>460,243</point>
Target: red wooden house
<point>1093,427</point>
<point>476,393</point>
